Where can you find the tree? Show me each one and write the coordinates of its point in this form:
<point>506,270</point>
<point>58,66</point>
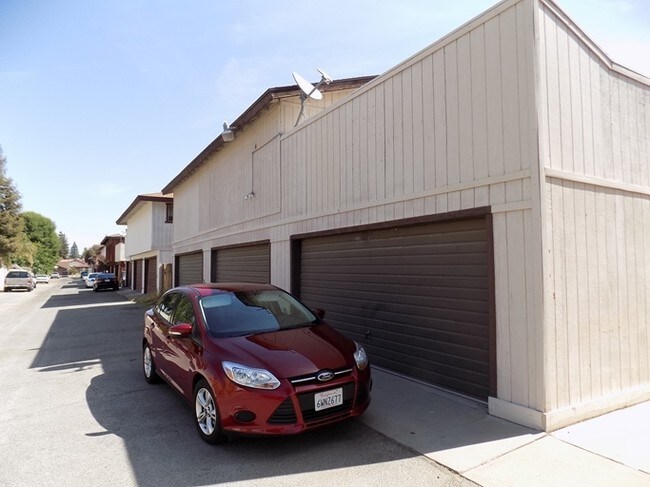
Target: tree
<point>11,224</point>
<point>65,248</point>
<point>41,231</point>
<point>92,255</point>
<point>74,251</point>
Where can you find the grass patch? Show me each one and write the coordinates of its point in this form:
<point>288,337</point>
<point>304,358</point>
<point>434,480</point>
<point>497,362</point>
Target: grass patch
<point>147,299</point>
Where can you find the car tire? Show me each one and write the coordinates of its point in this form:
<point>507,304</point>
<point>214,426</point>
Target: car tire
<point>206,414</point>
<point>7,289</point>
<point>149,366</point>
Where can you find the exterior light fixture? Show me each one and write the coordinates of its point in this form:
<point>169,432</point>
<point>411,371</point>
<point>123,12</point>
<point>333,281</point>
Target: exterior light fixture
<point>228,134</point>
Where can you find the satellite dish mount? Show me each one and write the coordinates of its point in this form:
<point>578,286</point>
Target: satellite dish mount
<point>309,91</point>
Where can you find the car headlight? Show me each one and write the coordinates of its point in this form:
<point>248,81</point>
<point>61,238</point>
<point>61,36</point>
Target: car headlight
<point>360,357</point>
<point>249,377</point>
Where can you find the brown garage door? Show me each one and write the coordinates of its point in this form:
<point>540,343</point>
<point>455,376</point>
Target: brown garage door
<point>189,269</point>
<point>151,272</point>
<point>251,263</point>
<point>137,275</point>
<point>415,296</point>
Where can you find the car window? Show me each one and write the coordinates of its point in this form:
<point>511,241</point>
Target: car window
<point>184,312</point>
<point>17,274</point>
<point>165,306</point>
<point>246,312</point>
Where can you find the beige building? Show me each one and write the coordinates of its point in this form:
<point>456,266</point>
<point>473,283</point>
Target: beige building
<point>148,243</point>
<point>478,216</point>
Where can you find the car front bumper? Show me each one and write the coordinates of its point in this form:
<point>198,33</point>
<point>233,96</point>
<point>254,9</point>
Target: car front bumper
<point>291,409</point>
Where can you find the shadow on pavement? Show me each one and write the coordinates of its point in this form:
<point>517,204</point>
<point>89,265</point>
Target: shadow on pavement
<point>156,425</point>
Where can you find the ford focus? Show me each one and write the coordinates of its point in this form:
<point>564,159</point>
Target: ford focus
<point>251,359</point>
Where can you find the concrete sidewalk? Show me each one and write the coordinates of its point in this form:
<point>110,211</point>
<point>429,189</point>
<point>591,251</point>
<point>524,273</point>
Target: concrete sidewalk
<point>458,433</point>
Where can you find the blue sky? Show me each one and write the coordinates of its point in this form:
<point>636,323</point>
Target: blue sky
<point>103,100</point>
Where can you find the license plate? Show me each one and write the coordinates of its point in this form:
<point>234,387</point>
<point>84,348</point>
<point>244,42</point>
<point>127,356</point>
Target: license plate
<point>328,399</point>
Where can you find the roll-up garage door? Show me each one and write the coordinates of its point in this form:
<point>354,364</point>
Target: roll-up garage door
<point>415,296</point>
<point>137,275</point>
<point>151,272</point>
<point>189,269</point>
<point>251,263</point>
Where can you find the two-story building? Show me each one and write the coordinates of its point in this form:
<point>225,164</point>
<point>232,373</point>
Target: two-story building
<point>474,217</point>
<point>112,256</point>
<point>149,219</point>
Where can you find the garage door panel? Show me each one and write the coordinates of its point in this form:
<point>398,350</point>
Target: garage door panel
<point>251,263</point>
<point>432,360</point>
<point>452,342</point>
<point>444,332</point>
<point>189,268</point>
<point>359,304</point>
<point>416,297</point>
<point>444,371</point>
<point>463,300</point>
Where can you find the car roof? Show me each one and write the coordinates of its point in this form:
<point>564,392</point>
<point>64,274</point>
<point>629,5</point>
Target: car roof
<point>205,289</point>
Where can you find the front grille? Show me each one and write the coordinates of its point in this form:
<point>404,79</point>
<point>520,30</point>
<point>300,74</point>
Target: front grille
<point>309,412</point>
<point>284,414</point>
<point>310,379</point>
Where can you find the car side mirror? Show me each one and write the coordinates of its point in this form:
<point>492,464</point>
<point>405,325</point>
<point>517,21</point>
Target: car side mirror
<point>319,312</point>
<point>182,330</point>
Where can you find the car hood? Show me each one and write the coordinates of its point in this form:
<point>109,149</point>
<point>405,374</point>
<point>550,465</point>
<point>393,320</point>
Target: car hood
<point>290,353</point>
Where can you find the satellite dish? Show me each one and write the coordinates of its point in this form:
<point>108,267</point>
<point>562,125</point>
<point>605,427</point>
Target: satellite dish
<point>325,77</point>
<point>307,88</point>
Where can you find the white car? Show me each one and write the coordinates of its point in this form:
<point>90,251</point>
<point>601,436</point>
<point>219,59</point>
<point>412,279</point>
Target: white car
<point>42,279</point>
<point>90,279</point>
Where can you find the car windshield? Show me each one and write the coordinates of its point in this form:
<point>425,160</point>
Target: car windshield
<point>247,312</point>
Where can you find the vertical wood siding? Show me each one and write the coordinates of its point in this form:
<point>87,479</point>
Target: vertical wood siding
<point>452,128</point>
<point>594,146</point>
<point>455,128</point>
<point>139,238</point>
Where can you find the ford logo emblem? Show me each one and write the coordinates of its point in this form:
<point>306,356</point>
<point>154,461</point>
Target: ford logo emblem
<point>325,376</point>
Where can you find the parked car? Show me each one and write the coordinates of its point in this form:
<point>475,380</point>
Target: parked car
<point>19,279</point>
<point>106,280</point>
<point>252,359</point>
<point>90,279</point>
<point>84,274</point>
<point>42,278</point>
<point>55,275</point>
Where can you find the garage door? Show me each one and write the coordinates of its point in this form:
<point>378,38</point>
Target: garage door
<point>151,272</point>
<point>137,275</point>
<point>189,269</point>
<point>251,263</point>
<point>416,297</point>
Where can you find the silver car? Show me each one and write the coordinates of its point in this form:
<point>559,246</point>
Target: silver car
<point>19,280</point>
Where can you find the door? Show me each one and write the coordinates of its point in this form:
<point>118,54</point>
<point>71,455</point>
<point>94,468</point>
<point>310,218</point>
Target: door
<point>417,297</point>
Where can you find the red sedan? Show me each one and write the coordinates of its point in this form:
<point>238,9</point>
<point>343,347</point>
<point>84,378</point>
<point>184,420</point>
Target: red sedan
<point>253,360</point>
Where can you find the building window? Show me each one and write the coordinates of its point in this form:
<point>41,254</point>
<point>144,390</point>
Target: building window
<point>169,213</point>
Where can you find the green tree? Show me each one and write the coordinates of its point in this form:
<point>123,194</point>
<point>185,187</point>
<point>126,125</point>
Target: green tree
<point>74,251</point>
<point>41,231</point>
<point>65,248</point>
<point>11,224</point>
<point>91,255</point>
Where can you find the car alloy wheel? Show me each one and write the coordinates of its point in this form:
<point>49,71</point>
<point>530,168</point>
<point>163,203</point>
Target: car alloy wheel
<point>148,366</point>
<point>207,415</point>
